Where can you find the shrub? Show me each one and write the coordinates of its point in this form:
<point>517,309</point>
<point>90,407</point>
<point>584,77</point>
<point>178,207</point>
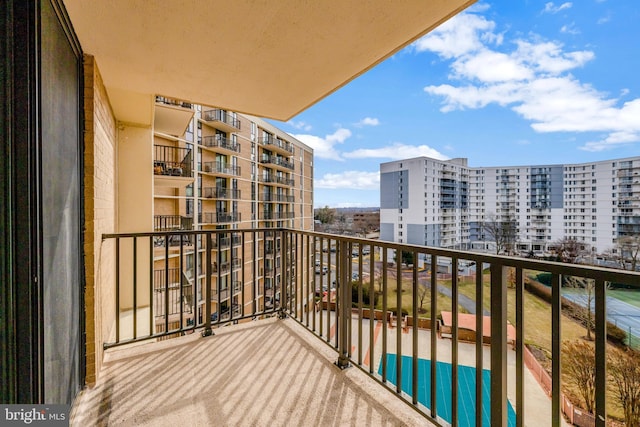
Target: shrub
<point>366,297</point>
<point>544,278</point>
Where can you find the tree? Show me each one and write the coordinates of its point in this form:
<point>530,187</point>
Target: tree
<point>624,369</point>
<point>406,257</point>
<point>423,291</point>
<point>629,248</point>
<point>580,370</point>
<point>325,215</point>
<point>502,232</point>
<point>589,287</point>
<point>569,250</point>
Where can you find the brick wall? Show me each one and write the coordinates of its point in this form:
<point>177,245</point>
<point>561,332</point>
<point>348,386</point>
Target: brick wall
<point>100,214</point>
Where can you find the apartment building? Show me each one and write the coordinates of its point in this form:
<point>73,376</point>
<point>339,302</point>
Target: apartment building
<point>445,203</point>
<point>217,169</point>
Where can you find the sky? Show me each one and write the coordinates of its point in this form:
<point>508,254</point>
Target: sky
<point>505,83</point>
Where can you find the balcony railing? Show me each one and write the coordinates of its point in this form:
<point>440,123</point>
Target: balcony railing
<point>278,161</point>
<point>276,215</point>
<point>274,197</point>
<point>172,223</point>
<point>221,168</point>
<point>218,217</point>
<point>222,116</point>
<point>275,179</point>
<point>220,141</point>
<point>368,309</point>
<point>220,193</point>
<point>272,141</point>
<point>171,101</point>
<point>172,292</point>
<point>172,161</point>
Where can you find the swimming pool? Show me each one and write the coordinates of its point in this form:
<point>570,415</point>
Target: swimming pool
<point>466,389</point>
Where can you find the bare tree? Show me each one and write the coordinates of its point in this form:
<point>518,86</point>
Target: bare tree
<point>624,369</point>
<point>588,286</point>
<point>629,247</point>
<point>569,250</point>
<point>501,231</point>
<point>423,291</point>
<point>580,370</point>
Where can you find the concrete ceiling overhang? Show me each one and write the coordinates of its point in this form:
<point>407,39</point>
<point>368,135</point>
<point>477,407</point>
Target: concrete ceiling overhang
<point>270,58</point>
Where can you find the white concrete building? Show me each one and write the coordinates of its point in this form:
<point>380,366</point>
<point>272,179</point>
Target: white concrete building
<point>444,203</point>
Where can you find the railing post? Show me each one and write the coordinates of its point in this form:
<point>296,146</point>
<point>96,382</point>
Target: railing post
<point>207,291</point>
<point>344,303</point>
<point>601,352</point>
<point>498,344</point>
<point>284,281</point>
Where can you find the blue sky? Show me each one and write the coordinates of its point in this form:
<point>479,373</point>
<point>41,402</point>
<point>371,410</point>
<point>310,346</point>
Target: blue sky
<point>504,83</point>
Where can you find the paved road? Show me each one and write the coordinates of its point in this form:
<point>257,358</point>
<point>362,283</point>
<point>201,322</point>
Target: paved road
<point>466,302</point>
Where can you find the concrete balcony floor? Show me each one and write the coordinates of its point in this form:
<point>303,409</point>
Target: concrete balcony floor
<point>266,373</point>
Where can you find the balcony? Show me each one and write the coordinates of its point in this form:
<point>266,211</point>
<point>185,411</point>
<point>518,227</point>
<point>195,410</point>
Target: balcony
<point>490,379</point>
<point>278,162</point>
<point>172,116</point>
<point>220,141</point>
<point>277,145</point>
<point>222,119</point>
<point>218,168</point>
<point>220,193</point>
<point>276,215</point>
<point>218,217</point>
<point>172,223</point>
<point>278,180</point>
<point>172,166</point>
<point>275,197</point>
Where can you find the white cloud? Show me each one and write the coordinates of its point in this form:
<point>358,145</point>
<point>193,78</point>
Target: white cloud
<point>324,148</point>
<point>552,8</point>
<point>356,180</point>
<point>368,121</point>
<point>604,19</point>
<point>570,29</point>
<point>491,66</point>
<point>461,34</point>
<point>396,151</point>
<point>613,140</point>
<point>300,125</point>
<point>533,80</point>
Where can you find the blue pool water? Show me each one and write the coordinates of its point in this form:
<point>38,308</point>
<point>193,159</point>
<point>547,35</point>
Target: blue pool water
<point>466,389</point>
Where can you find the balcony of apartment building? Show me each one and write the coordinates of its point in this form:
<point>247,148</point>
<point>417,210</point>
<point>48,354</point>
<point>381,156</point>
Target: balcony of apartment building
<point>172,166</point>
<point>277,145</point>
<point>218,217</point>
<point>172,116</point>
<point>431,366</point>
<point>270,215</point>
<point>171,224</point>
<point>267,196</point>
<point>275,179</point>
<point>222,119</point>
<point>277,162</point>
<point>226,293</point>
<point>220,193</point>
<point>220,168</point>
<point>221,143</point>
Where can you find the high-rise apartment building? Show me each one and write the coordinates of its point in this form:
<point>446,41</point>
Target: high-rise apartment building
<point>445,203</point>
<point>217,169</point>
